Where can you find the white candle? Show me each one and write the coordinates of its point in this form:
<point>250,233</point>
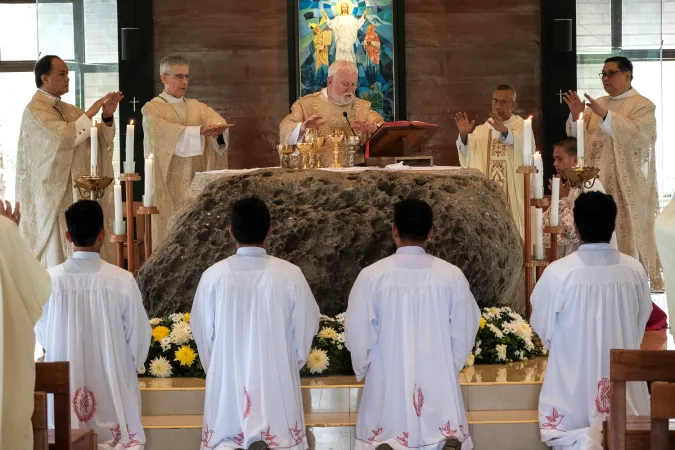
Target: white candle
<point>147,198</point>
<point>580,138</point>
<point>130,145</point>
<point>116,160</point>
<point>118,202</point>
<point>539,234</point>
<point>527,142</point>
<point>94,148</point>
<point>538,177</point>
<point>555,201</point>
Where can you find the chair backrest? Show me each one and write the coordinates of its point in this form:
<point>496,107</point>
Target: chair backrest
<point>663,408</point>
<point>40,422</point>
<point>633,365</point>
<point>54,378</point>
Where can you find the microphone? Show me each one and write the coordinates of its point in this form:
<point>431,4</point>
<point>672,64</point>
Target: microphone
<point>344,113</point>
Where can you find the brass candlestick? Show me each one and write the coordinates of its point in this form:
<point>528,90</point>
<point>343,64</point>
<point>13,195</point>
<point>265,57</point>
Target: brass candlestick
<point>581,177</point>
<point>285,155</point>
<point>353,144</point>
<point>92,186</point>
<point>336,138</point>
<point>305,150</point>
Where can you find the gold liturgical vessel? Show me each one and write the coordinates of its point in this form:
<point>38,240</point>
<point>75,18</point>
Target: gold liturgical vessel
<point>92,186</point>
<point>336,138</point>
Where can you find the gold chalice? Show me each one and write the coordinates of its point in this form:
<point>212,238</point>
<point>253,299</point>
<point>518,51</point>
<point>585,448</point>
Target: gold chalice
<point>305,150</point>
<point>318,146</point>
<point>285,155</point>
<point>336,138</point>
<point>353,144</point>
<point>310,135</point>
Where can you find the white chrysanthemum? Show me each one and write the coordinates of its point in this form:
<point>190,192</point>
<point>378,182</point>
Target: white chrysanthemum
<point>496,331</point>
<point>339,338</point>
<point>340,346</point>
<point>515,316</point>
<point>155,321</point>
<point>470,360</point>
<point>142,371</point>
<point>181,333</point>
<point>522,329</point>
<point>529,346</point>
<point>328,333</point>
<point>176,317</point>
<point>494,311</point>
<point>518,354</point>
<point>165,343</point>
<point>160,367</point>
<point>318,360</point>
<point>478,351</point>
<point>340,318</point>
<point>501,352</point>
<point>327,318</point>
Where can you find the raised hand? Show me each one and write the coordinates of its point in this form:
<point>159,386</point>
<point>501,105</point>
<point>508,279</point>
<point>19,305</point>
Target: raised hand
<point>463,125</point>
<point>497,123</point>
<point>576,105</point>
<point>6,210</point>
<point>112,100</point>
<point>316,121</point>
<point>96,107</point>
<point>596,107</point>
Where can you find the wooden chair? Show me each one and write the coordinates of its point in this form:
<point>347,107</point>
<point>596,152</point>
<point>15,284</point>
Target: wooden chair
<point>663,408</point>
<point>54,378</point>
<point>626,366</point>
<point>40,422</point>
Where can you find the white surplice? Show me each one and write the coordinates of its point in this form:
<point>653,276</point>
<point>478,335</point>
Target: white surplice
<point>664,230</point>
<point>253,319</point>
<point>410,326</point>
<point>585,304</point>
<point>95,319</point>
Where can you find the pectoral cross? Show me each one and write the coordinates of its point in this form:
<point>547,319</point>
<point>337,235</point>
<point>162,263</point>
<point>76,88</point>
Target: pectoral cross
<point>133,102</point>
<point>560,95</point>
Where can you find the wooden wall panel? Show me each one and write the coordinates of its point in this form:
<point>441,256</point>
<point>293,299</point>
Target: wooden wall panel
<point>456,53</point>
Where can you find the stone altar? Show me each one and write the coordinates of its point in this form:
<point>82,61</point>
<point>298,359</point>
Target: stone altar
<point>333,223</point>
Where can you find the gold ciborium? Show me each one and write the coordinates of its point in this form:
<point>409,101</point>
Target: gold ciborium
<point>581,177</point>
<point>305,150</point>
<point>353,144</point>
<point>285,155</point>
<point>92,186</point>
<point>336,138</point>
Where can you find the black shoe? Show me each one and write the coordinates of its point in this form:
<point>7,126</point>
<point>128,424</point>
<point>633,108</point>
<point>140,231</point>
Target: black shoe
<point>384,447</point>
<point>258,445</point>
<point>452,444</point>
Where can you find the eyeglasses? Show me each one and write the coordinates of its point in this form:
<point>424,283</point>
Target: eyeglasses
<point>346,85</point>
<point>181,77</point>
<point>609,74</point>
<point>496,101</point>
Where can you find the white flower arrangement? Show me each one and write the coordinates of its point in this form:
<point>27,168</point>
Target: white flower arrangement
<point>329,355</point>
<point>318,361</point>
<point>160,367</point>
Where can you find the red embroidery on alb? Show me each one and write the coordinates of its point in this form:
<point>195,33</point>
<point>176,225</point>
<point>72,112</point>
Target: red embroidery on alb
<point>296,434</point>
<point>602,401</point>
<point>447,431</point>
<point>116,434</point>
<point>247,399</point>
<point>84,404</point>
<point>403,439</point>
<point>132,441</point>
<point>238,439</point>
<point>269,438</point>
<point>208,434</point>
<point>418,400</point>
<point>464,435</point>
<point>376,433</point>
<point>554,420</point>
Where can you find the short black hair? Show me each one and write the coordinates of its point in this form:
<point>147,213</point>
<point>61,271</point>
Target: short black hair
<point>84,220</point>
<point>595,217</point>
<point>250,221</point>
<point>622,63</point>
<point>43,66</point>
<point>413,219</point>
<point>569,144</point>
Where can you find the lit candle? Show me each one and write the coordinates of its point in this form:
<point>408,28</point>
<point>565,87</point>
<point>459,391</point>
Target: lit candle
<point>527,142</point>
<point>555,200</point>
<point>147,198</point>
<point>539,234</point>
<point>94,149</point>
<point>580,140</point>
<point>118,202</point>
<point>538,177</point>
<point>130,148</point>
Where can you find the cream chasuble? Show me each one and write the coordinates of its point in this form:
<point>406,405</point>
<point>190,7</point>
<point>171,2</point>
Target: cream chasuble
<point>623,147</point>
<point>164,127</point>
<point>54,149</point>
<point>499,162</point>
<point>319,104</point>
<point>665,238</point>
<point>24,288</point>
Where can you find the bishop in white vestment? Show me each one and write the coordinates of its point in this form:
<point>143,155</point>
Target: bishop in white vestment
<point>253,319</point>
<point>184,136</point>
<point>620,140</point>
<point>496,149</point>
<point>584,305</point>
<point>345,29</point>
<point>24,288</point>
<point>410,327</point>
<point>95,319</point>
<point>54,149</point>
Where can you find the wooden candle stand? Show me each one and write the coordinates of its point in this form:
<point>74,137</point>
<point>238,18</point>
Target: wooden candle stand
<point>129,179</point>
<point>119,240</point>
<point>528,263</point>
<point>554,231</point>
<point>147,211</point>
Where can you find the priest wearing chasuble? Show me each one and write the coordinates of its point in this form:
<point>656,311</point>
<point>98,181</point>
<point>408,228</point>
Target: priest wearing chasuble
<point>496,148</point>
<point>54,149</point>
<point>620,139</point>
<point>184,136</point>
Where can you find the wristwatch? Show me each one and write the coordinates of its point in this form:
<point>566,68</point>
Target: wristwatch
<point>107,120</point>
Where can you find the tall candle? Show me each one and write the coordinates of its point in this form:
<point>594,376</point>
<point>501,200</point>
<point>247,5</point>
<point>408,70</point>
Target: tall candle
<point>94,148</point>
<point>580,139</point>
<point>555,202</point>
<point>116,159</point>
<point>118,202</point>
<point>147,198</point>
<point>130,143</point>
<point>538,177</point>
<point>527,142</point>
<point>539,234</point>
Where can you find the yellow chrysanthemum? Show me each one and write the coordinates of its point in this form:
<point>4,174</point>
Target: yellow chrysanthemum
<point>158,333</point>
<point>185,356</point>
<point>186,317</point>
<point>482,322</point>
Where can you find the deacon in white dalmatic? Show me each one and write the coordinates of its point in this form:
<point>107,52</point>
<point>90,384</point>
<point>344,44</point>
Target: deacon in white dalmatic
<point>253,320</point>
<point>24,288</point>
<point>410,327</point>
<point>95,319</point>
<point>586,304</point>
<point>620,139</point>
<point>496,148</point>
<point>184,136</point>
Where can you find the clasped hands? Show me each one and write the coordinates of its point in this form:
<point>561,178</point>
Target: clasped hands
<point>577,106</point>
